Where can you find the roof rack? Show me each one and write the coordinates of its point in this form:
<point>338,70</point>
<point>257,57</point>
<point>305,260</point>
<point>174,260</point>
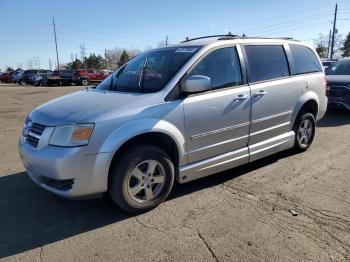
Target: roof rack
<point>230,36</point>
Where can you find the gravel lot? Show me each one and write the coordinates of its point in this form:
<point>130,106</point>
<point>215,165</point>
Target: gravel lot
<point>239,215</point>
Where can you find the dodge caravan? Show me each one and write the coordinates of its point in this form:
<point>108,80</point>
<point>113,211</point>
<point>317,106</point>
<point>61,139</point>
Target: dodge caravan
<point>181,113</point>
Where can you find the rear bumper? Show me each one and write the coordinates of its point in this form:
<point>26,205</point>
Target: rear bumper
<point>53,168</point>
<point>339,102</point>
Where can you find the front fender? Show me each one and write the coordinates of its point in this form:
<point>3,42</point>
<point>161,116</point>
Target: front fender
<point>132,129</point>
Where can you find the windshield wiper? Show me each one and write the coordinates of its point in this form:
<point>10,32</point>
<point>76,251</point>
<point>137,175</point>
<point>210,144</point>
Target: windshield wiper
<point>142,75</point>
<point>117,73</point>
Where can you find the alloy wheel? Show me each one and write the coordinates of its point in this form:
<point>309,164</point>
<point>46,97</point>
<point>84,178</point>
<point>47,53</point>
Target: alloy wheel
<point>305,132</point>
<point>146,181</point>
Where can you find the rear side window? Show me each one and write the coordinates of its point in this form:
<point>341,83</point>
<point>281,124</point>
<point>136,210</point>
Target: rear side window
<point>305,60</point>
<point>222,66</point>
<point>266,62</point>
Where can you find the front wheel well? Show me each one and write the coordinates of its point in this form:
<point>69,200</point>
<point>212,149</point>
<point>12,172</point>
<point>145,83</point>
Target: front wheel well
<point>157,139</point>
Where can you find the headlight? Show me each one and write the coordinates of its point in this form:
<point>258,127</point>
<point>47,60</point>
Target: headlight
<point>71,135</point>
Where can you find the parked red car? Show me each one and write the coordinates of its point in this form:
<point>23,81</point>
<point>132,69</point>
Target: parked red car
<point>82,76</point>
<point>6,77</point>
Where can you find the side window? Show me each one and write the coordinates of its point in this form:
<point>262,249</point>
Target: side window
<point>305,60</point>
<point>222,66</point>
<point>266,62</point>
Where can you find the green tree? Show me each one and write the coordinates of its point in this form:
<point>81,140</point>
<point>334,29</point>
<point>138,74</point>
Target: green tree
<point>94,61</point>
<point>322,51</point>
<point>123,58</point>
<point>321,46</point>
<point>9,69</point>
<point>346,46</point>
<point>76,64</point>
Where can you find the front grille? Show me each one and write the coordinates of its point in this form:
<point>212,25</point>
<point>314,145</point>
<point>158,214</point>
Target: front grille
<point>33,134</point>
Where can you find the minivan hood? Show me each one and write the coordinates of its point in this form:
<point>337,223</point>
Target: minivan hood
<point>86,106</point>
<point>338,79</point>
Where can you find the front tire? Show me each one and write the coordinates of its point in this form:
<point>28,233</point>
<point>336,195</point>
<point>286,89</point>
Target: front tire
<point>141,179</point>
<point>304,129</point>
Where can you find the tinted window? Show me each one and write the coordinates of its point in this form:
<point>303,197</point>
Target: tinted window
<point>222,66</point>
<point>148,72</point>
<point>305,60</point>
<point>266,62</point>
<point>340,68</point>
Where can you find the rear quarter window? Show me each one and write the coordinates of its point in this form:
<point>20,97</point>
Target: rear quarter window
<point>305,60</point>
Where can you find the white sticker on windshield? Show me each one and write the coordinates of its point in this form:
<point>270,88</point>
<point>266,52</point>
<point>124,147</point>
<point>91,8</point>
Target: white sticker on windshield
<point>186,50</point>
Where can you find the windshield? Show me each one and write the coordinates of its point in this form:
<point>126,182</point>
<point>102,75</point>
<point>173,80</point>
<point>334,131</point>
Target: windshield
<point>148,72</point>
<point>340,68</point>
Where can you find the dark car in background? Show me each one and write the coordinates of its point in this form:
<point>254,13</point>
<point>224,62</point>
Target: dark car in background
<point>33,76</point>
<point>338,85</point>
<point>37,78</point>
<point>328,63</point>
<point>17,76</point>
<point>28,76</point>
<point>51,79</point>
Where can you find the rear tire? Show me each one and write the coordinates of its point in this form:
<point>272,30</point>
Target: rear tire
<point>84,82</point>
<point>141,179</point>
<point>304,129</point>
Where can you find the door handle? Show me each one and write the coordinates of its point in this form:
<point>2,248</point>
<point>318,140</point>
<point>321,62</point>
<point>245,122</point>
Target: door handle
<point>260,93</point>
<point>241,97</point>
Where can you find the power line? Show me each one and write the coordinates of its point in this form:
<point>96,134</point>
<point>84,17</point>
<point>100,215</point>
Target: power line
<point>290,23</point>
<point>296,13</point>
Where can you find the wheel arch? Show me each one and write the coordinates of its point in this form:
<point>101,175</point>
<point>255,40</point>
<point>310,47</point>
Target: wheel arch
<point>309,102</point>
<point>154,138</point>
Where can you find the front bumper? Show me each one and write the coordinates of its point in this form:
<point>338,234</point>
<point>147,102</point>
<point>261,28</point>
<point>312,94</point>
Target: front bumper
<point>89,173</point>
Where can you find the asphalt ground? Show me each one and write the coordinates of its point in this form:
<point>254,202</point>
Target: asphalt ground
<point>285,207</point>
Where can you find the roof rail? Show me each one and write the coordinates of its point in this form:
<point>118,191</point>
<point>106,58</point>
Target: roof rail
<point>229,35</point>
<point>262,37</point>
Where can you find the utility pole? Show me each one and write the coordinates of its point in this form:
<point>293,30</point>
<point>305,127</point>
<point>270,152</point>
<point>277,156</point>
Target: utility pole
<point>105,58</point>
<point>166,40</point>
<point>329,42</point>
<point>82,52</point>
<point>54,31</point>
<point>334,30</point>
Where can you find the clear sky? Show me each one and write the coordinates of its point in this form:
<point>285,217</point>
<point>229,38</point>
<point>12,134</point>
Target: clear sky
<point>26,30</point>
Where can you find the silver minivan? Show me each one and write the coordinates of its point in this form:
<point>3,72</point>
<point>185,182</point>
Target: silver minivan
<point>180,112</point>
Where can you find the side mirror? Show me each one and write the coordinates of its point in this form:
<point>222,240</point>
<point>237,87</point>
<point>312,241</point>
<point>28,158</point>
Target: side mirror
<point>197,84</point>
